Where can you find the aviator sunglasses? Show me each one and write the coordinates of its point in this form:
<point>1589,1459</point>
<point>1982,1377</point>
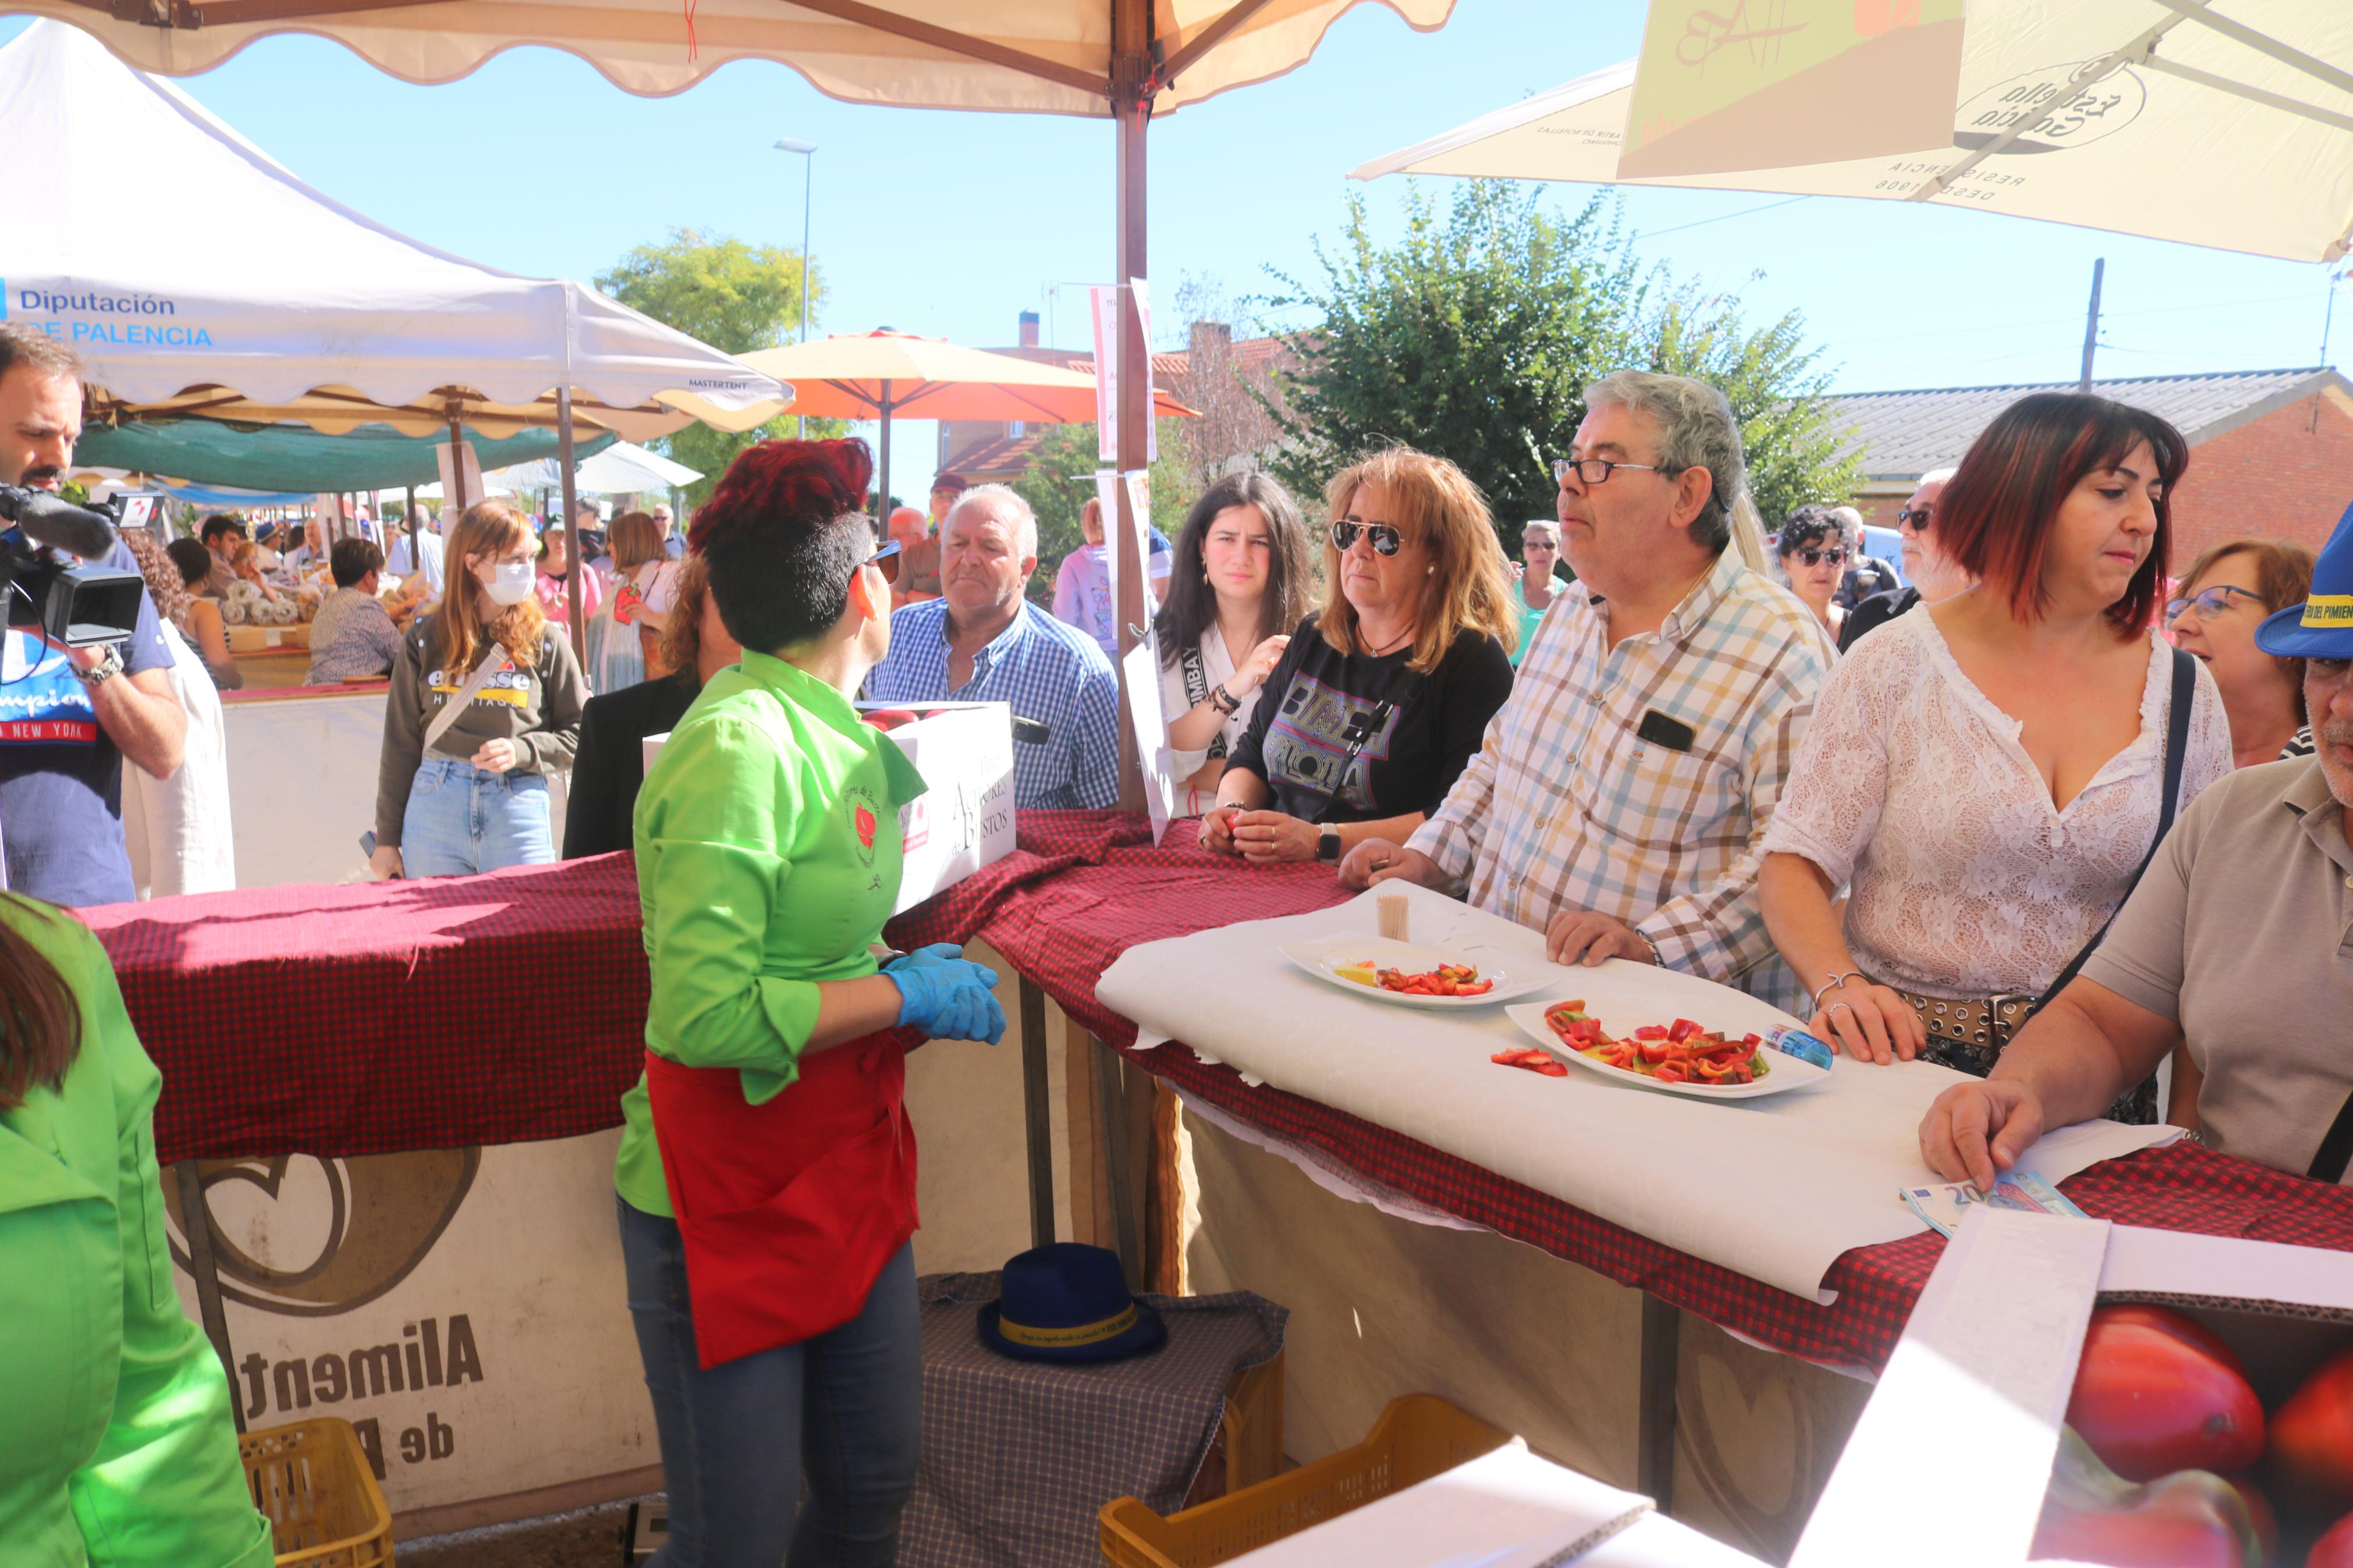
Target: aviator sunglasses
<point>1383,538</point>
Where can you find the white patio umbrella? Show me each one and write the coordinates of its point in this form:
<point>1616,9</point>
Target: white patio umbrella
<point>621,469</point>
<point>2218,122</point>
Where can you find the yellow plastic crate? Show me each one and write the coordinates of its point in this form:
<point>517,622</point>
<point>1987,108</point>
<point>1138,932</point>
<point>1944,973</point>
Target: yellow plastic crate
<point>310,1480</point>
<point>1418,1437</point>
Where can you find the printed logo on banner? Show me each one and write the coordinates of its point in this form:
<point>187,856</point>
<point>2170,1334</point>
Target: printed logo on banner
<point>133,320</point>
<point>2102,109</point>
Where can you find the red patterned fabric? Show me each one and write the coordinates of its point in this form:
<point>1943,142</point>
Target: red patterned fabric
<point>1066,932</point>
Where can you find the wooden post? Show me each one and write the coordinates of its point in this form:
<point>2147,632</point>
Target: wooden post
<point>1037,1108</point>
<point>415,549</point>
<point>571,523</point>
<point>1133,85</point>
<point>456,462</point>
<point>1654,1428</point>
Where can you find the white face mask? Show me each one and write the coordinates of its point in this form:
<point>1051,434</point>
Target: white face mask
<point>509,582</point>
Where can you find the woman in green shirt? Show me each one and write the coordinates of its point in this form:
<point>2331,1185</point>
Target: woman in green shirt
<point>117,1446</point>
<point>768,1172</point>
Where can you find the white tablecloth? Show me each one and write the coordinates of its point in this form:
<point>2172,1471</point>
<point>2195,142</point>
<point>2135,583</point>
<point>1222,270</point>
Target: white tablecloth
<point>1776,1187</point>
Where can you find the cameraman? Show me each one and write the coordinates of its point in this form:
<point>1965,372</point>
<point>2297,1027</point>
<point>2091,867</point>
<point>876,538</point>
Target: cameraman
<point>69,717</point>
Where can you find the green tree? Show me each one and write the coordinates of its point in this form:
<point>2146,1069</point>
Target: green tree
<point>733,296</point>
<point>1474,336</point>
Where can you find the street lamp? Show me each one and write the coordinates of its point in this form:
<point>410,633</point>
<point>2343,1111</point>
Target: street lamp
<point>807,150</point>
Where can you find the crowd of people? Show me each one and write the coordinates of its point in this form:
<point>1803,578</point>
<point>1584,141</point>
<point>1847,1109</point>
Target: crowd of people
<point>2025,812</point>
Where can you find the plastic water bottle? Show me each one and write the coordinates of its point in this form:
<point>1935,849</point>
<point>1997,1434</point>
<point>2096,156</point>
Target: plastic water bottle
<point>1799,1044</point>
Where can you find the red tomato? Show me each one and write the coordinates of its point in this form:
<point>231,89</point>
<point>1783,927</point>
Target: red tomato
<point>2153,1396</point>
<point>2190,1519</point>
<point>2334,1550</point>
<point>2312,1440</point>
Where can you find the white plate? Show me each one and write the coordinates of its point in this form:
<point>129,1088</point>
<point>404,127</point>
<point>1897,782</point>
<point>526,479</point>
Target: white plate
<point>1787,1072</point>
<point>1324,956</point>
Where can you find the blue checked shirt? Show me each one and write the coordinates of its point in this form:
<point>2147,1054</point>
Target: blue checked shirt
<point>1565,807</point>
<point>1047,671</point>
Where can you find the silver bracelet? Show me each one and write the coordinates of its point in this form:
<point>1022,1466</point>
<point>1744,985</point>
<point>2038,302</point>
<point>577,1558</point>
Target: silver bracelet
<point>1836,981</point>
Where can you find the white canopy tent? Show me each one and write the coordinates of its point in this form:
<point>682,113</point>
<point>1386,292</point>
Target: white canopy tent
<point>2218,122</point>
<point>335,299</point>
<point>620,470</point>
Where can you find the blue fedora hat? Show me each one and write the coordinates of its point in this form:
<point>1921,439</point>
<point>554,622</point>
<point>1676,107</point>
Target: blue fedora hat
<point>2322,626</point>
<point>1068,1302</point>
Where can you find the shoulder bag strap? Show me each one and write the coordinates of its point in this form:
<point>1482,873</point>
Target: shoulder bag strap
<point>2176,742</point>
<point>493,659</point>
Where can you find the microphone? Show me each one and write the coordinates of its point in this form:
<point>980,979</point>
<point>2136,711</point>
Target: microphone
<point>53,520</point>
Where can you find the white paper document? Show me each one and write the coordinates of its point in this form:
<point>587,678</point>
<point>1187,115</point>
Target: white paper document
<point>1775,1188</point>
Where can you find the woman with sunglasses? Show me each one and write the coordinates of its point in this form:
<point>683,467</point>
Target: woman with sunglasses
<point>1987,775</point>
<point>2225,595</point>
<point>1383,694</point>
<point>1814,559</point>
<point>767,1173</point>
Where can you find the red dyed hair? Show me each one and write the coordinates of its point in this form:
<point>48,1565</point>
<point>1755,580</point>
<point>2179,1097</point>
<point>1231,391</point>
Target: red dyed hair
<point>1994,520</point>
<point>800,483</point>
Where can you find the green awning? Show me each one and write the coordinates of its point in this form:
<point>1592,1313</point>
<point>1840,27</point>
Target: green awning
<point>297,457</point>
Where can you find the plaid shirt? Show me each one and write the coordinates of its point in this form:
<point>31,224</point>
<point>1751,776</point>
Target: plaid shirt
<point>1566,808</point>
<point>1045,670</point>
<point>352,635</point>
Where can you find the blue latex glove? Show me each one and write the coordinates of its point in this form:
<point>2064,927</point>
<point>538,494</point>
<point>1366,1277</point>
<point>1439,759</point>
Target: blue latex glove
<point>945,996</point>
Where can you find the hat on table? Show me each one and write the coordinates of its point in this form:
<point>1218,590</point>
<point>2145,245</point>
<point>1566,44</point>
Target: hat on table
<point>1068,1302</point>
<point>2322,626</point>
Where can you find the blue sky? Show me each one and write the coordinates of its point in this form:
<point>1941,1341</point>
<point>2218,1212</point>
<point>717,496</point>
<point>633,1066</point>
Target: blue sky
<point>952,223</point>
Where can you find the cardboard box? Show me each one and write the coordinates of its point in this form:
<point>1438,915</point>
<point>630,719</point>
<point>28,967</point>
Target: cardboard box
<point>1951,1459</point>
<point>262,640</point>
<point>964,820</point>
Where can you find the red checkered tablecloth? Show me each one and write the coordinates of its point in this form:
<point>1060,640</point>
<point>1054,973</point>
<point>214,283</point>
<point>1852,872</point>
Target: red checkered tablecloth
<point>1065,932</point>
<point>438,1013</point>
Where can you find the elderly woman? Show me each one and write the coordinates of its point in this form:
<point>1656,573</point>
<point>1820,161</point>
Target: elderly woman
<point>1813,555</point>
<point>1383,694</point>
<point>767,1171</point>
<point>1245,575</point>
<point>1536,580</point>
<point>1987,775</point>
<point>2223,597</point>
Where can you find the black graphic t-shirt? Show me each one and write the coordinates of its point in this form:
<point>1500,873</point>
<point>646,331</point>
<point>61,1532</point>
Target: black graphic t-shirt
<point>1299,739</point>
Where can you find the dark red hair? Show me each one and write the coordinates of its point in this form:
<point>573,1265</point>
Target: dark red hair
<point>784,482</point>
<point>1995,518</point>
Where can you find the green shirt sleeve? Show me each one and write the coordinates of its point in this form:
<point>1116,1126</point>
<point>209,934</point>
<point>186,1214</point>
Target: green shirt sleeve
<point>715,880</point>
<point>166,1489</point>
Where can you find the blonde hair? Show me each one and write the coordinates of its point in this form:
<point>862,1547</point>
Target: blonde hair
<point>1432,500</point>
<point>1091,520</point>
<point>488,529</point>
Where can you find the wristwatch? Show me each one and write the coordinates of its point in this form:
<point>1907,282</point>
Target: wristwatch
<point>1327,842</point>
<point>104,671</point>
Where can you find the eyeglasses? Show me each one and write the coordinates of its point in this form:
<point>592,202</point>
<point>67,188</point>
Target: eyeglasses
<point>1597,470</point>
<point>1835,555</point>
<point>1384,537</point>
<point>1917,518</point>
<point>2212,602</point>
<point>886,561</point>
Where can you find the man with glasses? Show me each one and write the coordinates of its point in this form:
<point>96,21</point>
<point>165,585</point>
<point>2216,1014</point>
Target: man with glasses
<point>2237,942</point>
<point>1931,576</point>
<point>1537,581</point>
<point>1866,574</point>
<point>1623,790</point>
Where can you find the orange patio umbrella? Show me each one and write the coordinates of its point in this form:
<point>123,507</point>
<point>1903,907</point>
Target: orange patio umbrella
<point>879,374</point>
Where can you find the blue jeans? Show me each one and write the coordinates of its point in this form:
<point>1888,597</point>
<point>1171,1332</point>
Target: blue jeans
<point>461,819</point>
<point>844,1411</point>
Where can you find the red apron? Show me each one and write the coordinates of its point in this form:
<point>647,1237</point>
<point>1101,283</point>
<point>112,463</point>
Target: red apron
<point>788,1210</point>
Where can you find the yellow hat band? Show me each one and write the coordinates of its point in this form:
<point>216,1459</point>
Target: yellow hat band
<point>2327,610</point>
<point>1092,1333</point>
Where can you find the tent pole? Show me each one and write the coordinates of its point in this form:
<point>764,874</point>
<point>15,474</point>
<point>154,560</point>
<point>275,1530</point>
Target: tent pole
<point>882,473</point>
<point>457,464</point>
<point>1132,90</point>
<point>2091,325</point>
<point>416,550</point>
<point>571,525</point>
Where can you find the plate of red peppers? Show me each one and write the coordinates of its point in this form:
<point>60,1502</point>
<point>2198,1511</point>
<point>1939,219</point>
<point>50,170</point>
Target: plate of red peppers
<point>1413,976</point>
<point>1679,1056</point>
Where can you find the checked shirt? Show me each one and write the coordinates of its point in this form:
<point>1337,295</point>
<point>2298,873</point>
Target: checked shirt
<point>1567,807</point>
<point>1045,670</point>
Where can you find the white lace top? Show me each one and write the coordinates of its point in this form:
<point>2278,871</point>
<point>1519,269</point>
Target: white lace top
<point>1966,881</point>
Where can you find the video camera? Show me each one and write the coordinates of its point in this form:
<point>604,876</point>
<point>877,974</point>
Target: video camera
<point>43,572</point>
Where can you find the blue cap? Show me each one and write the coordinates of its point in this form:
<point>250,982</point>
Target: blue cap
<point>2322,626</point>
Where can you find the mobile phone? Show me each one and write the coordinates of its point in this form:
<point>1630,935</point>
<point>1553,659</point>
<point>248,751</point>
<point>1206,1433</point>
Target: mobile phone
<point>367,843</point>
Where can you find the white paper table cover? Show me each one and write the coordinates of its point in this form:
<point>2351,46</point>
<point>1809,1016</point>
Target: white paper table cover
<point>1775,1188</point>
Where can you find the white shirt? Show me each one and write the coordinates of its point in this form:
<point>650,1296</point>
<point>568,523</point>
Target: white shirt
<point>177,829</point>
<point>1216,666</point>
<point>1967,882</point>
<point>429,547</point>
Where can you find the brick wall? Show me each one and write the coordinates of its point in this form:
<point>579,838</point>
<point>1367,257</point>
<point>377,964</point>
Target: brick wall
<point>2288,475</point>
<point>2285,476</point>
